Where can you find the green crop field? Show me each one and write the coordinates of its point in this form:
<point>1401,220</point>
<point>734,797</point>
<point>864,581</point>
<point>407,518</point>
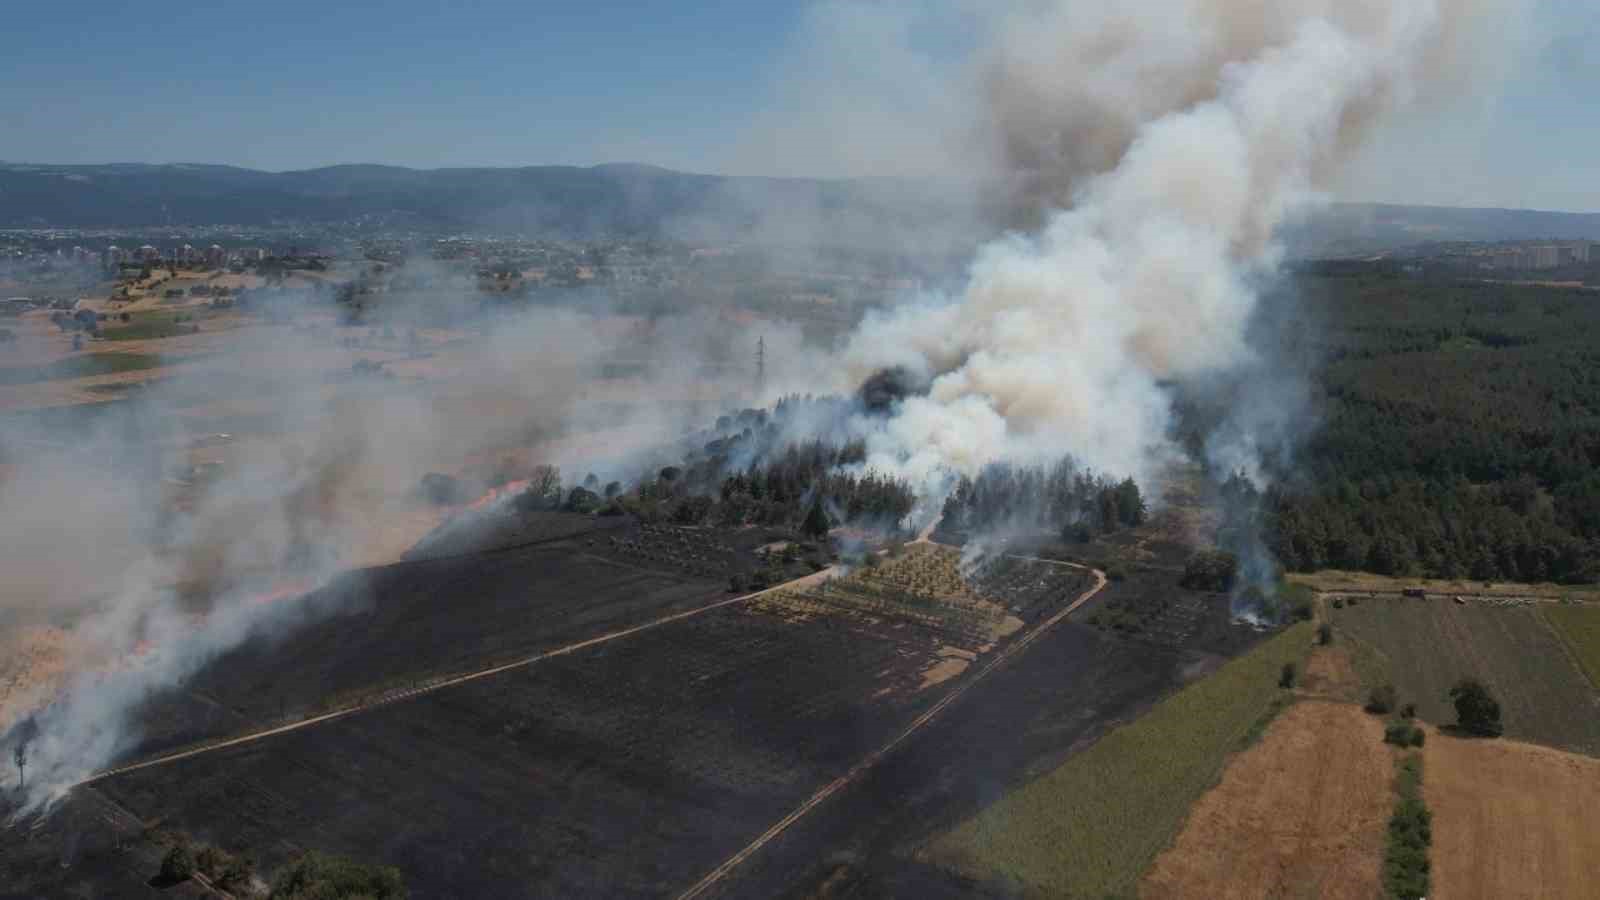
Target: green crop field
<point>1579,626</point>
<point>1092,826</point>
<point>81,367</point>
<point>1426,646</point>
<point>151,325</point>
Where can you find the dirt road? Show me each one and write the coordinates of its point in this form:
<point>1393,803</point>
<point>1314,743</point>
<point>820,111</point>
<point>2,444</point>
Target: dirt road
<point>866,764</point>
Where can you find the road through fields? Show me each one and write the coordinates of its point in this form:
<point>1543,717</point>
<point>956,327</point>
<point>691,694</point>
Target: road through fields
<point>867,763</point>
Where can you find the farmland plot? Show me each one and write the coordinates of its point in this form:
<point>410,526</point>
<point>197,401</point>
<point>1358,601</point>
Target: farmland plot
<point>923,587</point>
<point>1094,824</point>
<point>396,626</point>
<point>1579,627</point>
<point>1426,646</point>
<point>1300,814</point>
<point>1512,821</point>
<point>623,771</point>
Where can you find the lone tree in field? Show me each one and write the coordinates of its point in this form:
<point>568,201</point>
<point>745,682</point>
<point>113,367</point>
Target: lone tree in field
<point>1477,712</point>
<point>816,524</point>
<point>19,754</point>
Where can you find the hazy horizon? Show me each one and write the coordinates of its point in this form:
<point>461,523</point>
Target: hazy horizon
<point>699,88</point>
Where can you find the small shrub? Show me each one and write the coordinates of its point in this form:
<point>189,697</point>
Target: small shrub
<point>1338,603</point>
<point>1210,570</point>
<point>736,584</point>
<point>1403,734</point>
<point>1324,634</point>
<point>178,864</point>
<point>1381,701</point>
<point>1116,572</point>
<point>316,876</point>
<point>1409,711</point>
<point>1287,677</point>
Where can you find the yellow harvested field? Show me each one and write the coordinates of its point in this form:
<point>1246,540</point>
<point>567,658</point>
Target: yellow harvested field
<point>1512,821</point>
<point>1301,814</point>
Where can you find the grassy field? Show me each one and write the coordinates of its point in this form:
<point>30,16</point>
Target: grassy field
<point>1426,646</point>
<point>82,367</point>
<point>1093,826</point>
<point>1579,627</point>
<point>150,325</point>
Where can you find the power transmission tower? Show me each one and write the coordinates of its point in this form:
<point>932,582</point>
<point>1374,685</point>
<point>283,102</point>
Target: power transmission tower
<point>761,367</point>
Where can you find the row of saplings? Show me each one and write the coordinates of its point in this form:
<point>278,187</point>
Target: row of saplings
<point>1406,869</point>
<point>1477,712</point>
<point>311,876</point>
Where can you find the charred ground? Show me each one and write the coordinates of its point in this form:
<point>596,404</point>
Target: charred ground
<point>630,768</point>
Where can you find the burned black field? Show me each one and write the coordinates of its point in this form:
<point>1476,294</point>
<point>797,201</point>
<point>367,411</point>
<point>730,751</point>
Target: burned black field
<point>632,767</point>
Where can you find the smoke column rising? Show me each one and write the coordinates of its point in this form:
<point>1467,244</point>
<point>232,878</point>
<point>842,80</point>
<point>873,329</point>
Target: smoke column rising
<point>1155,147</point>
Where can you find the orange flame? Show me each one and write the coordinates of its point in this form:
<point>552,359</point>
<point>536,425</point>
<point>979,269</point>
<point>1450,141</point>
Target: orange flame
<point>284,591</point>
<point>508,489</point>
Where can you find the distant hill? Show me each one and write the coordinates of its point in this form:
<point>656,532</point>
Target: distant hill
<point>566,201</point>
<point>1368,227</point>
<point>577,202</point>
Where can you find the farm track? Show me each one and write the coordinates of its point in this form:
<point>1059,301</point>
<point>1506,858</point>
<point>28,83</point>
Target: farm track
<point>1438,597</point>
<point>866,764</point>
<point>413,692</point>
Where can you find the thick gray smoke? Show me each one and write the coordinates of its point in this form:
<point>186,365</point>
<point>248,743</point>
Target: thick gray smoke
<point>160,567</point>
<point>1151,149</point>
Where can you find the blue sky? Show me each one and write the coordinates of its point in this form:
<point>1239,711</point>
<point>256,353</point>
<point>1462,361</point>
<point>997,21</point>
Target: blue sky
<point>294,84</point>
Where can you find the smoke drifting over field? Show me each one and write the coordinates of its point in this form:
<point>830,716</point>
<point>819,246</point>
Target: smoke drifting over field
<point>163,568</point>
<point>1145,151</point>
<point>1152,149</point>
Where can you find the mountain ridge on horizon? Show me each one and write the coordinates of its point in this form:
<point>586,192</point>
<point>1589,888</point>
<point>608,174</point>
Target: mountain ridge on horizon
<point>618,198</point>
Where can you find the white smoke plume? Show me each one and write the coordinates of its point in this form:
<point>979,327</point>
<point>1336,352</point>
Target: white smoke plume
<point>1148,150</point>
<point>154,589</point>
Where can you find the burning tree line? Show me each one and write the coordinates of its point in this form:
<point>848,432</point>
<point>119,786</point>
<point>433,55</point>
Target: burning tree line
<point>785,467</point>
<point>1077,504</point>
<point>808,486</point>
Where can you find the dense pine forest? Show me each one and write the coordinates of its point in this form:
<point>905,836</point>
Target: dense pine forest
<point>1459,431</point>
